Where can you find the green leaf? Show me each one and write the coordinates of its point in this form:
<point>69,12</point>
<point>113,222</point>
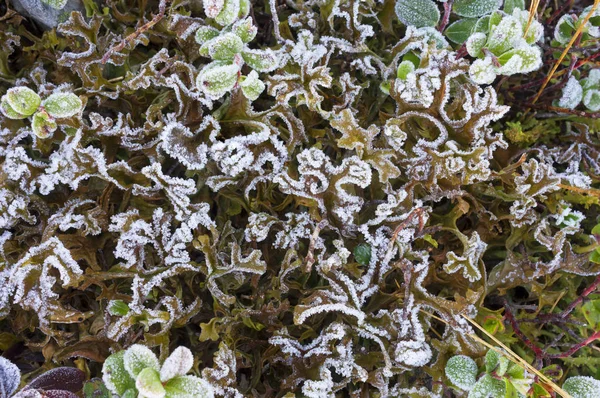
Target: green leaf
<point>139,357</point>
<point>23,100</point>
<point>95,388</point>
<point>188,387</point>
<point>362,253</point>
<point>404,69</point>
<point>459,31</point>
<point>252,86</point>
<point>8,111</point>
<point>43,125</point>
<point>131,393</point>
<point>503,36</point>
<point>591,100</point>
<point>487,386</point>
<point>591,312</point>
<point>418,13</point>
<point>229,13</point>
<point>475,44</point>
<point>475,8</point>
<point>596,230</point>
<point>511,391</point>
<point>118,307</point>
<point>595,256</point>
<point>514,371</point>
<point>224,47</point>
<point>62,105</point>
<point>245,30</point>
<point>428,238</point>
<point>492,360</point>
<point>149,385</point>
<point>177,364</point>
<point>520,60</point>
<point>209,330</point>
<point>461,371</point>
<point>582,387</point>
<point>217,78</point>
<point>205,33</point>
<point>261,60</point>
<point>510,5</point>
<point>115,376</point>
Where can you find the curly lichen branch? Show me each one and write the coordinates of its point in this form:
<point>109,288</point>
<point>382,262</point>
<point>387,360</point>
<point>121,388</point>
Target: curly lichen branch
<point>131,38</point>
<point>310,257</point>
<point>418,212</point>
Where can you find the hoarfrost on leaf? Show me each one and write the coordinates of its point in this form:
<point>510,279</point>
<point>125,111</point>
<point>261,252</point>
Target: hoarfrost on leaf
<point>461,370</point>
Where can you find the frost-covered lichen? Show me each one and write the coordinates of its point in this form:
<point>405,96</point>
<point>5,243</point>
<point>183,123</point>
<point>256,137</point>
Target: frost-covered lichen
<point>314,198</point>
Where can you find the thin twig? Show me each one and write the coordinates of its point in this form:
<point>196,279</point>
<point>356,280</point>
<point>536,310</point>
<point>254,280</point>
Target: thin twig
<point>131,38</point>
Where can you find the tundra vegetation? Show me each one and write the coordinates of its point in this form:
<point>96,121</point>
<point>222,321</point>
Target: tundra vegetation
<point>300,198</point>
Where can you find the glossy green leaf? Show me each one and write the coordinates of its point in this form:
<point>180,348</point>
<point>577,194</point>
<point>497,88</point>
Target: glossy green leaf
<point>475,8</point>
<point>459,31</point>
<point>62,105</point>
<point>418,13</point>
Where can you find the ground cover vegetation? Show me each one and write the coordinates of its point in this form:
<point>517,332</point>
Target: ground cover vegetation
<point>299,198</point>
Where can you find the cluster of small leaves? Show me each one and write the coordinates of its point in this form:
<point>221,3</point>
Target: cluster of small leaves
<point>137,372</point>
<point>317,198</point>
<point>502,378</point>
<point>22,103</point>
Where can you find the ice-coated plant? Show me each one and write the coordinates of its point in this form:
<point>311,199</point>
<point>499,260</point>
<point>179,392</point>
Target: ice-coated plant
<point>501,377</point>
<point>582,387</point>
<point>569,23</point>
<point>229,51</point>
<point>504,44</point>
<point>586,91</point>
<point>319,198</point>
<point>137,372</point>
<point>22,102</point>
<point>226,12</point>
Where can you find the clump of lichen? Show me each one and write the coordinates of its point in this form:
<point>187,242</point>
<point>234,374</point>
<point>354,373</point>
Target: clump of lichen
<point>321,198</point>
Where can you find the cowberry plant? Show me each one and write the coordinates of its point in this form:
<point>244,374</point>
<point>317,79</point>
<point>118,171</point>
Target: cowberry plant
<point>300,198</point>
<point>502,378</point>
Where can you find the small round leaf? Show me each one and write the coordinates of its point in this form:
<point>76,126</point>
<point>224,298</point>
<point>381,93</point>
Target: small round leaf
<point>252,86</point>
<point>10,376</point>
<point>475,8</point>
<point>462,371</point>
<point>178,363</point>
<point>189,387</point>
<point>61,105</point>
<point>149,385</point>
<point>23,100</point>
<point>582,387</point>
<point>458,32</point>
<point>139,357</point>
<point>418,13</point>
<point>115,376</point>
